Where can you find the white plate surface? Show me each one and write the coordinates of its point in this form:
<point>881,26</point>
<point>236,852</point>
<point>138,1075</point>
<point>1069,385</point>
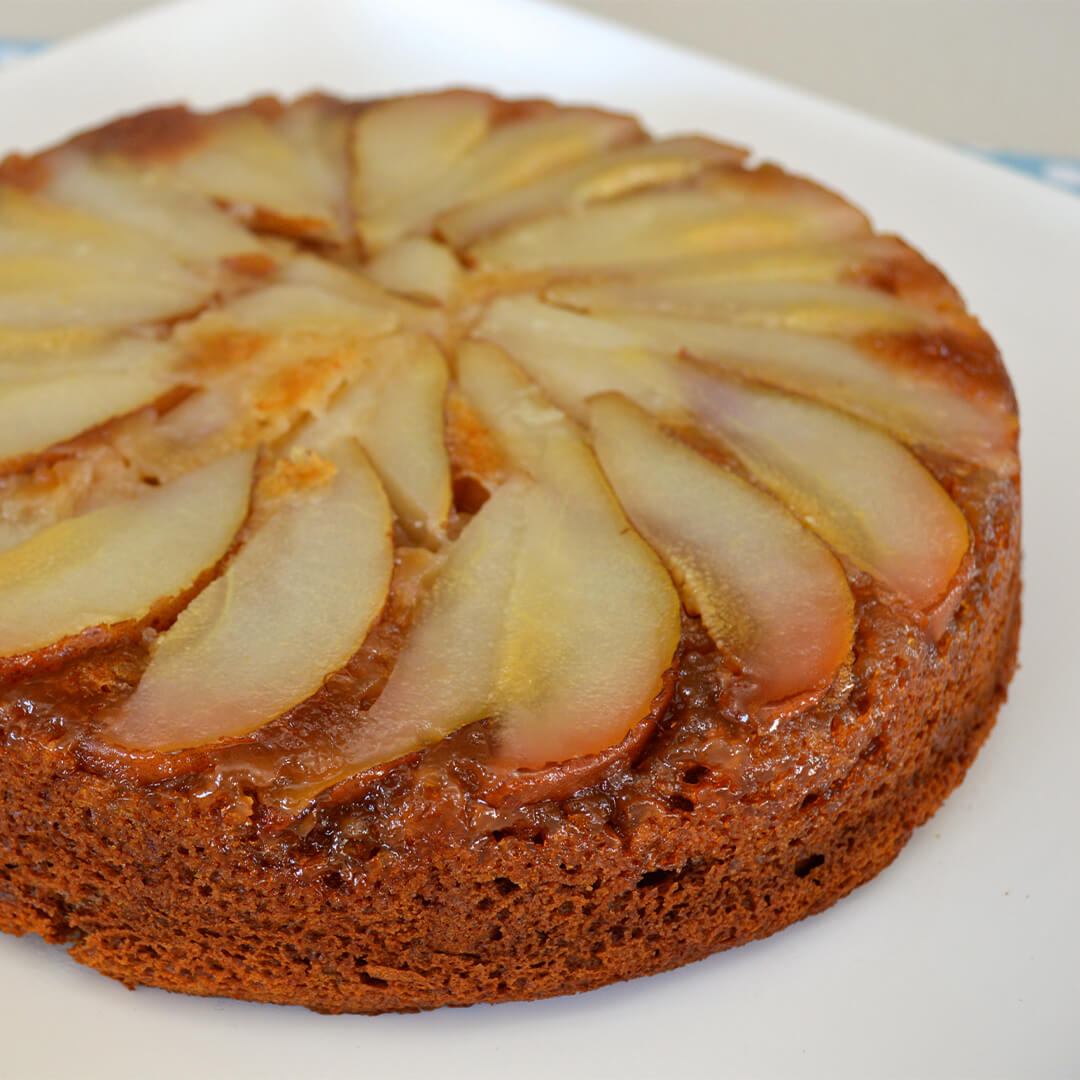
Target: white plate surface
<point>961,959</point>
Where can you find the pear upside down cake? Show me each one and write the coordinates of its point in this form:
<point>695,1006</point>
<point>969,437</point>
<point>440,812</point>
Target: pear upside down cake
<point>460,550</point>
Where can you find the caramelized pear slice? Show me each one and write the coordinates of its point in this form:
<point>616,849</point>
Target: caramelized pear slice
<point>448,673</point>
<point>51,290</point>
<point>292,607</point>
<point>302,310</point>
<point>915,405</point>
<point>60,267</point>
<point>573,356</point>
<point>884,265</point>
<point>814,263</point>
<point>768,591</point>
<point>564,644</point>
<point>395,409</point>
<point>418,267</point>
<point>22,349</point>
<point>318,129</point>
<point>843,310</point>
<point>253,166</point>
<point>736,214</point>
<point>857,488</point>
<point>401,145</point>
<point>48,400</point>
<point>182,223</point>
<point>590,626</point>
<point>512,155</point>
<point>122,562</point>
<point>604,177</point>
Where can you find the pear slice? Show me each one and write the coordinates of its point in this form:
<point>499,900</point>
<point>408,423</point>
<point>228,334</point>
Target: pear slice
<point>122,562</point>
<point>736,214</point>
<point>401,145</point>
<point>813,263</point>
<point>915,405</point>
<point>303,310</point>
<point>291,608</point>
<point>596,179</point>
<point>319,129</point>
<point>885,265</point>
<point>60,267</point>
<point>768,591</point>
<point>857,488</point>
<point>395,410</point>
<point>858,259</point>
<point>24,348</point>
<point>513,154</point>
<point>51,290</point>
<point>591,624</point>
<point>573,356</point>
<point>46,400</point>
<point>843,310</point>
<point>449,672</point>
<point>564,645</point>
<point>180,222</point>
<point>418,267</point>
<point>250,164</point>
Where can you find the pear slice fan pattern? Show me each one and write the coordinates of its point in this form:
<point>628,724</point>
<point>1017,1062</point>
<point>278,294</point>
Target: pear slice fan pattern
<point>451,429</point>
<point>620,318</point>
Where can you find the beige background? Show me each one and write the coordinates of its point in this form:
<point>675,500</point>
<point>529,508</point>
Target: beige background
<point>1000,73</point>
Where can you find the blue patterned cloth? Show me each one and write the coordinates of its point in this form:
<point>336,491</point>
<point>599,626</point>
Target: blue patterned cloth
<point>1062,172</point>
<point>13,48</point>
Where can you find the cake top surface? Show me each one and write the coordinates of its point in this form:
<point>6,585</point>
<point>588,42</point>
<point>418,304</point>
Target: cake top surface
<point>445,429</point>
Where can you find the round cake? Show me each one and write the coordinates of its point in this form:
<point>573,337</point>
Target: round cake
<point>460,550</point>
